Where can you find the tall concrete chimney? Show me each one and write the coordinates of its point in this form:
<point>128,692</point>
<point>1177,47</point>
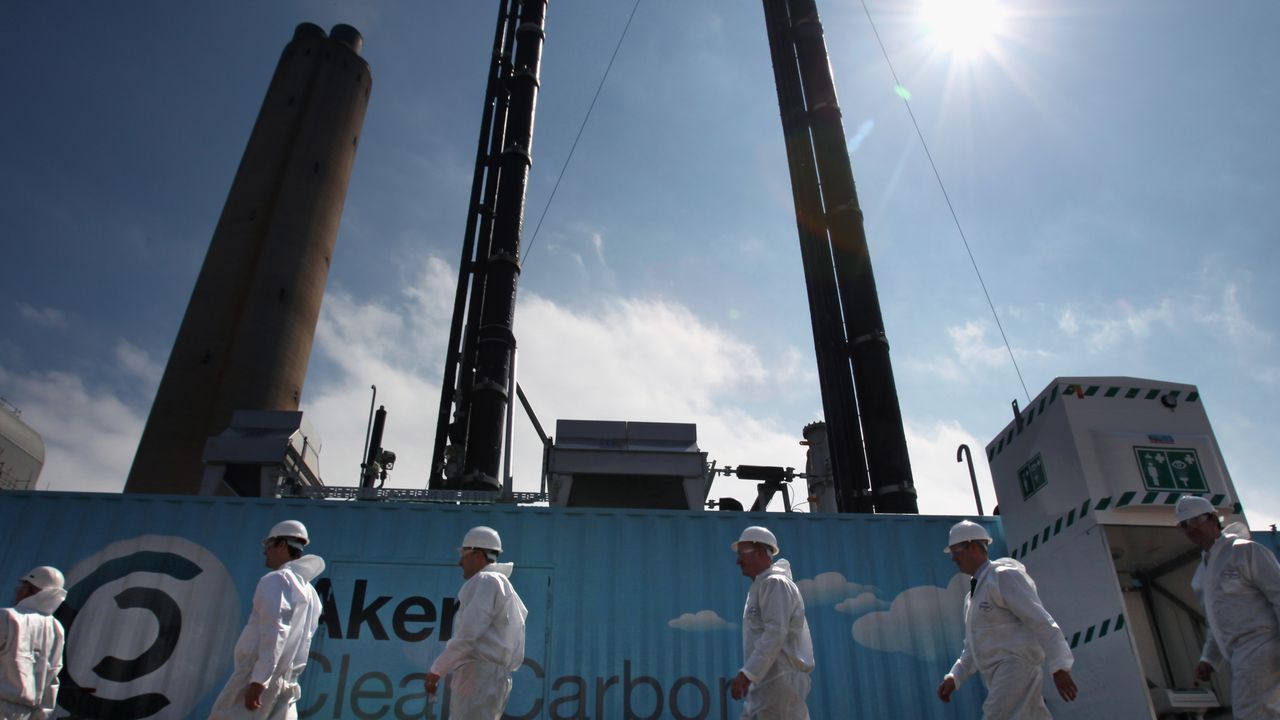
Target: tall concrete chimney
<point>246,338</point>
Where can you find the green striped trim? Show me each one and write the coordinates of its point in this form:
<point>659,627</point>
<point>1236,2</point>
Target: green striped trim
<point>1005,439</point>
<point>1060,523</point>
<point>1097,632</point>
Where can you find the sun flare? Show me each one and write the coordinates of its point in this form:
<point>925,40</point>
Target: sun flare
<point>964,28</point>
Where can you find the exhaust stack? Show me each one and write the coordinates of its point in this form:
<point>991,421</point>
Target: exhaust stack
<point>859,397</point>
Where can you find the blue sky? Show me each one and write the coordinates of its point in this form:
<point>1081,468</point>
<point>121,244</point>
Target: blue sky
<point>1112,166</point>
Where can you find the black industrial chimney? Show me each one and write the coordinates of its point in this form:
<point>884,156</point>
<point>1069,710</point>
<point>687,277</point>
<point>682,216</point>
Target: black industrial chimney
<point>476,387</point>
<point>858,393</point>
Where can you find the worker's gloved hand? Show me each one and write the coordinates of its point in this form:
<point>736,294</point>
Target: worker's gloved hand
<point>739,687</point>
<point>945,688</point>
<point>431,682</point>
<point>1203,671</point>
<point>1066,686</point>
<point>253,696</point>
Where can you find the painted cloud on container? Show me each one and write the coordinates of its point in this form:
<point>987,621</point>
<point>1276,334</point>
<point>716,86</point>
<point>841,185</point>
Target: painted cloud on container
<point>831,587</point>
<point>701,621</point>
<point>923,621</point>
<point>861,603</point>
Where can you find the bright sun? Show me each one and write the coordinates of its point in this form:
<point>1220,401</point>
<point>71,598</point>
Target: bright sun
<point>964,28</point>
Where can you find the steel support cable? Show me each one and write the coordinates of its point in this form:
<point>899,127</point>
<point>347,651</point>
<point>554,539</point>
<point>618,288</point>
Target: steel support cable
<point>954,218</point>
<point>578,137</point>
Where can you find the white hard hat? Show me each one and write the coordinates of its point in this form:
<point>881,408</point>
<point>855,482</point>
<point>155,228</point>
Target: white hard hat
<point>45,578</point>
<point>758,534</point>
<point>964,531</point>
<point>289,529</point>
<point>484,538</point>
<point>1190,506</point>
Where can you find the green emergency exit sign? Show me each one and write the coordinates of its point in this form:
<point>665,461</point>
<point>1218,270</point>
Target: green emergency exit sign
<point>1032,477</point>
<point>1169,468</point>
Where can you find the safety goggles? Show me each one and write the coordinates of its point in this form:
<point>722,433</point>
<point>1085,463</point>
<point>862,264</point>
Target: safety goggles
<point>271,542</point>
<point>1192,522</point>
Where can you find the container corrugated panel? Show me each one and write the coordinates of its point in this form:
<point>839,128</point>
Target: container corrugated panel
<point>632,614</point>
<point>1267,538</point>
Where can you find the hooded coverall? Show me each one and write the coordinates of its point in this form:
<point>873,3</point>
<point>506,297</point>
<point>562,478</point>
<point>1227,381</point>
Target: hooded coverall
<point>776,646</point>
<point>486,647</point>
<point>1239,587</point>
<point>272,649</point>
<point>31,641</point>
<point>1008,636</point>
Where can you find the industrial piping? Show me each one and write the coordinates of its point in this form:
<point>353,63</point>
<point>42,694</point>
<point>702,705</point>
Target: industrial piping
<point>495,342</point>
<point>459,373</point>
<point>866,346</point>
<point>835,375</point>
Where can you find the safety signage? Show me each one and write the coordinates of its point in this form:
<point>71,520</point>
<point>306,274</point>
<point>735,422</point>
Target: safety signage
<point>1169,468</point>
<point>1031,476</point>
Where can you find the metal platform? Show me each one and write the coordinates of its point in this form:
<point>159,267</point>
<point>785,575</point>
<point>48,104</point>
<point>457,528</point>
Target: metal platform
<point>458,497</point>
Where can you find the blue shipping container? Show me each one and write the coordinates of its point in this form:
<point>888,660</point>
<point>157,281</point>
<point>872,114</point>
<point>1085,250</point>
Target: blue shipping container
<point>632,613</point>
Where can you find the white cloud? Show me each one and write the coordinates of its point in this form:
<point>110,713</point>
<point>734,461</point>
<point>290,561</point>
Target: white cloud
<point>408,330</point>
<point>653,357</point>
<point>924,621</point>
<point>755,247</point>
<point>44,317</point>
<point>90,435</point>
<point>597,242</point>
<point>1230,317</point>
<point>646,359</point>
<point>862,603</point>
<point>1103,327</point>
<point>942,482</point>
<point>394,345</point>
<point>569,250</point>
<point>622,359</point>
<point>972,355</point>
<point>139,364</point>
<point>794,367</point>
<point>830,586</point>
<point>1268,375</point>
<point>1068,324</point>
<point>970,345</point>
<point>701,621</point>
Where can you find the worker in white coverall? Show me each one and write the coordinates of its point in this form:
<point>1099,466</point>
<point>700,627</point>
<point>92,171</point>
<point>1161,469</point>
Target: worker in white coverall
<point>272,650</point>
<point>1008,635</point>
<point>31,642</point>
<point>488,633</point>
<point>1238,582</point>
<point>776,648</point>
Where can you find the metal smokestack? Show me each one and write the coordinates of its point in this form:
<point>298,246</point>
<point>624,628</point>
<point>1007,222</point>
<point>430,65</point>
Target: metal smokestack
<point>835,375</point>
<point>495,343</point>
<point>459,366</point>
<point>480,352</point>
<point>865,346</point>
